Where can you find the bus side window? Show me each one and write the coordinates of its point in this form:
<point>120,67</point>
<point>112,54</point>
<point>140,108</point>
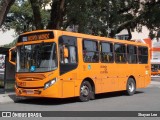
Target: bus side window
<point>107,52</point>
<point>120,53</point>
<point>90,51</point>
<point>132,54</point>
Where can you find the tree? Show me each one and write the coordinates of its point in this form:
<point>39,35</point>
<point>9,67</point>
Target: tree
<point>97,17</point>
<point>150,14</point>
<point>104,18</point>
<point>4,8</point>
<point>37,14</point>
<point>26,16</point>
<point>107,18</point>
<point>56,16</point>
<point>21,17</point>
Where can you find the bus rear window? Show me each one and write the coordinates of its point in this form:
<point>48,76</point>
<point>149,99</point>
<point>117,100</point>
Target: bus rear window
<point>142,55</point>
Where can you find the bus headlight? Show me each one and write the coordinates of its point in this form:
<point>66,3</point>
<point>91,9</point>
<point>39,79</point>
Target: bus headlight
<point>49,83</point>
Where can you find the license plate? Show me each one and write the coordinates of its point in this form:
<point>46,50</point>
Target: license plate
<point>29,92</point>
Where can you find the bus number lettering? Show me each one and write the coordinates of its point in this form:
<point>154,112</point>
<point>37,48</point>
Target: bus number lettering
<point>38,37</point>
<point>43,36</point>
<point>32,38</point>
<point>21,83</point>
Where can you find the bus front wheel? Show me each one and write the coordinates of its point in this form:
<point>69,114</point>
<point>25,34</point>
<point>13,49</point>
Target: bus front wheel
<point>131,87</point>
<point>85,91</point>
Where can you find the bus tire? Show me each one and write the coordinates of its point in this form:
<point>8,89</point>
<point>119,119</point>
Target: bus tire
<point>131,87</point>
<point>86,92</point>
<point>92,95</point>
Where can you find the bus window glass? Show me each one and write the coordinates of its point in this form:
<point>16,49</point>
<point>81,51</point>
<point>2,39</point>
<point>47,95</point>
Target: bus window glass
<point>132,54</point>
<point>120,53</point>
<point>72,58</point>
<point>142,55</point>
<point>90,51</point>
<point>90,45</point>
<point>72,52</point>
<point>107,52</point>
<point>37,57</point>
<point>68,62</point>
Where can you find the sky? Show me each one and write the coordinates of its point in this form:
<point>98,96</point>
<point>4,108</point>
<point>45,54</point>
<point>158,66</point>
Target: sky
<point>137,35</point>
<point>142,35</point>
<point>6,37</point>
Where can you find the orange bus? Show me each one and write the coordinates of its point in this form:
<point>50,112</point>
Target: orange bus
<point>154,46</point>
<point>60,64</point>
<point>155,69</point>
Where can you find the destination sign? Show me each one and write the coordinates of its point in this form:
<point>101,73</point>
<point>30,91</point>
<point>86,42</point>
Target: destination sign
<point>36,36</point>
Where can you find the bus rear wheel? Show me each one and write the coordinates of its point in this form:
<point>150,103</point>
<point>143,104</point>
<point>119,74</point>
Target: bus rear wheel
<point>131,87</point>
<point>86,91</point>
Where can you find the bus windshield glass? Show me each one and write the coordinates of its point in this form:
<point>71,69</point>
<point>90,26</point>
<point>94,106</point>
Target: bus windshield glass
<point>40,57</point>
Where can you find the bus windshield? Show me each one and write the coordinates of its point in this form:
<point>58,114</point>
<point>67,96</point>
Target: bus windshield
<point>40,57</point>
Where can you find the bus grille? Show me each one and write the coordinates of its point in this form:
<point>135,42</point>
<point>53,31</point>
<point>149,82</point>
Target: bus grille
<point>28,77</point>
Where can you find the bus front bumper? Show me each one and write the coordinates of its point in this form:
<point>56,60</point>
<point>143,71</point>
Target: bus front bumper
<point>51,92</point>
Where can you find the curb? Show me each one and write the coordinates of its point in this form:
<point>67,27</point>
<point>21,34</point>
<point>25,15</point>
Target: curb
<point>11,98</point>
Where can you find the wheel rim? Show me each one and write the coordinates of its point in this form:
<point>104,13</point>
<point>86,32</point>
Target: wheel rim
<point>85,91</point>
<point>131,87</point>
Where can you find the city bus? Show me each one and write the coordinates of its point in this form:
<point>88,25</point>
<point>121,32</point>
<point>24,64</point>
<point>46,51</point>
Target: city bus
<point>61,64</point>
<point>155,69</point>
<point>154,46</point>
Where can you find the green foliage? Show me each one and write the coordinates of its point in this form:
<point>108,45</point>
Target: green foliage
<point>109,17</point>
<point>21,16</point>
<point>152,16</point>
<point>98,17</point>
<point>45,17</point>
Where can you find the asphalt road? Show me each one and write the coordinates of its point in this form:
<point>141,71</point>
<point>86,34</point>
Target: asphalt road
<point>147,99</point>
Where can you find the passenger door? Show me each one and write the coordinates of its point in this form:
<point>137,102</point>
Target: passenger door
<point>68,64</point>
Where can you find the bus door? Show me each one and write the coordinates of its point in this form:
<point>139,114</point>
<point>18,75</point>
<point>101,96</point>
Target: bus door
<point>68,64</point>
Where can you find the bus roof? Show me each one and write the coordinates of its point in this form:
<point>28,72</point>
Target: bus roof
<point>81,35</point>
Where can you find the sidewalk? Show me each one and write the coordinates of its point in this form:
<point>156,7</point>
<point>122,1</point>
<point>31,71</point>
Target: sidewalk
<point>7,97</point>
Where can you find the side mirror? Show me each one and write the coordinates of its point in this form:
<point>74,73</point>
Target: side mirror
<point>65,52</point>
<point>12,55</point>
